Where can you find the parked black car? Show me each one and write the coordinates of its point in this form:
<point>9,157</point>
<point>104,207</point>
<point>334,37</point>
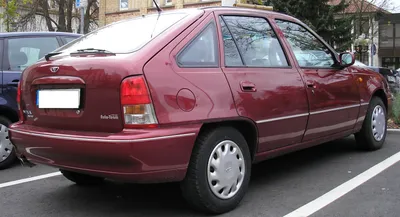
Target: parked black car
<point>390,75</point>
<point>18,50</point>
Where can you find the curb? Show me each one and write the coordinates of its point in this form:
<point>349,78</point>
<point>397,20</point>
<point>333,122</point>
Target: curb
<point>393,131</point>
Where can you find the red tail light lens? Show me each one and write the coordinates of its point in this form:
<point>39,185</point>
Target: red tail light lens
<point>19,101</point>
<point>137,107</point>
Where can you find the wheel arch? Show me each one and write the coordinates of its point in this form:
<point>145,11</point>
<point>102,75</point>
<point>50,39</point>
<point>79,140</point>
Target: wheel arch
<point>245,126</point>
<point>382,95</point>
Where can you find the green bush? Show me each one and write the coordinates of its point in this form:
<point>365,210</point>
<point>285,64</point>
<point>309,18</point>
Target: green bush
<point>396,109</point>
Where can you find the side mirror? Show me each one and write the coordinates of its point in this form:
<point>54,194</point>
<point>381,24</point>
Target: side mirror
<point>346,59</point>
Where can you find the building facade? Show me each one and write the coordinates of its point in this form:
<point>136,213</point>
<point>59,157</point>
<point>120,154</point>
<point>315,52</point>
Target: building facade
<point>114,10</point>
<point>389,43</point>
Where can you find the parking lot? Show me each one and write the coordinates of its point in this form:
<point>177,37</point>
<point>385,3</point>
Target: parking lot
<point>279,187</point>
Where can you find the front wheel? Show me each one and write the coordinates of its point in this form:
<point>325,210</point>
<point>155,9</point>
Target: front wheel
<point>373,132</point>
<point>219,171</point>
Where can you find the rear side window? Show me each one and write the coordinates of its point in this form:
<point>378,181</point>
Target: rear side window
<point>255,40</point>
<point>232,55</point>
<point>202,51</point>
<point>23,52</point>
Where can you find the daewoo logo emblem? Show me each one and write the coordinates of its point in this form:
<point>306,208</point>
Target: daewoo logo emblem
<point>54,69</point>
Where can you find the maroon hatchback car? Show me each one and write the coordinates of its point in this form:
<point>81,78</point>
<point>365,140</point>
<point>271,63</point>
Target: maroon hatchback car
<point>193,96</point>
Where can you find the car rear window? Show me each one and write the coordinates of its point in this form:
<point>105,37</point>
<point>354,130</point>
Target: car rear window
<point>125,36</point>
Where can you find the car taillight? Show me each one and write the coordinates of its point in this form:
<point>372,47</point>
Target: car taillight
<point>136,104</point>
<point>19,101</point>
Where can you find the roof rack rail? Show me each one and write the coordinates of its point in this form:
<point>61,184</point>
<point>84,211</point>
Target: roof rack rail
<point>261,7</point>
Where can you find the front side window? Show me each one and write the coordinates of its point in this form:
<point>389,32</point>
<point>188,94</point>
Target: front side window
<point>309,51</point>
<point>255,40</point>
<point>202,51</point>
<point>23,52</point>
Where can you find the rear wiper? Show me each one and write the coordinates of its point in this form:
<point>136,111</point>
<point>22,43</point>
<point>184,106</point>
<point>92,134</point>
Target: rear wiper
<point>47,56</point>
<point>92,50</point>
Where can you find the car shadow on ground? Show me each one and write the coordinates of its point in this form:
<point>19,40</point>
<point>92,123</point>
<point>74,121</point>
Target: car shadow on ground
<point>119,199</point>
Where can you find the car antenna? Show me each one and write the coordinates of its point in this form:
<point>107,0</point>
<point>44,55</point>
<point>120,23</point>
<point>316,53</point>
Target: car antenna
<point>159,13</point>
<point>158,7</point>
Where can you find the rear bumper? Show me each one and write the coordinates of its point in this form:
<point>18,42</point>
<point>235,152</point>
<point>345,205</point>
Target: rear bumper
<point>156,155</point>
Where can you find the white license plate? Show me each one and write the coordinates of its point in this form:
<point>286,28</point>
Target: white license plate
<point>58,99</point>
<point>391,78</point>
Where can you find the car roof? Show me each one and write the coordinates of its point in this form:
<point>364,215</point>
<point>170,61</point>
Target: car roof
<point>243,9</point>
<point>17,34</point>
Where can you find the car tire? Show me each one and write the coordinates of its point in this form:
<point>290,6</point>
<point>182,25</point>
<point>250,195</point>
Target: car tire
<point>81,179</point>
<point>373,132</point>
<point>200,189</point>
<point>6,145</point>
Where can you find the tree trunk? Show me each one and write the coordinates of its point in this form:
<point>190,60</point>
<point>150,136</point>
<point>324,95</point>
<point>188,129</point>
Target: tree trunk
<point>86,20</point>
<point>61,16</point>
<point>70,5</point>
<point>46,14</point>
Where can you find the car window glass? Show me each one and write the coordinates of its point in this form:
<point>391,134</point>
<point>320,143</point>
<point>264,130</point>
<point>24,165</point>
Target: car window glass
<point>309,51</point>
<point>231,53</point>
<point>126,36</point>
<point>69,39</point>
<point>1,55</point>
<point>202,51</point>
<point>256,41</point>
<point>23,52</point>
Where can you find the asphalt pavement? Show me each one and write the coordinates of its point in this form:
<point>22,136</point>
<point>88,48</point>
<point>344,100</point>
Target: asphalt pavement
<point>278,187</point>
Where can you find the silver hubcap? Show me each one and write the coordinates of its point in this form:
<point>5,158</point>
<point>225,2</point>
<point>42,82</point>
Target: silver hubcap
<point>5,144</point>
<point>378,123</point>
<point>226,169</point>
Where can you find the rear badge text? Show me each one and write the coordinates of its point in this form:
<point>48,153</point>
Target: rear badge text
<point>109,117</point>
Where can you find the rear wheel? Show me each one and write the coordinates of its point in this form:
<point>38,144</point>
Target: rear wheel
<point>373,132</point>
<point>82,179</point>
<point>219,171</point>
<point>7,152</point>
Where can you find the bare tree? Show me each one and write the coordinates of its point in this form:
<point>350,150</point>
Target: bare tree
<point>366,11</point>
<point>59,15</point>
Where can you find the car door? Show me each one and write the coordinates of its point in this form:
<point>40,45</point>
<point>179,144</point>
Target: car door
<point>19,53</point>
<point>332,91</point>
<point>266,87</point>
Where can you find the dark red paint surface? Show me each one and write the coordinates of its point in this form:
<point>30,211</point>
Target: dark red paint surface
<point>288,116</point>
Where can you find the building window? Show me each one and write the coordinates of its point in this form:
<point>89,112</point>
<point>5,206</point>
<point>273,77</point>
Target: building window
<point>168,2</point>
<point>123,4</point>
<point>386,36</point>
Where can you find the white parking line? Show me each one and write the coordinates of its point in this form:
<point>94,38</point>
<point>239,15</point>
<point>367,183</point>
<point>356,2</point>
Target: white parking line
<point>31,179</point>
<point>344,188</point>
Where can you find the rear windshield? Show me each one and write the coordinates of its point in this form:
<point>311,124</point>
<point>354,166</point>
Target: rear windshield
<point>125,36</point>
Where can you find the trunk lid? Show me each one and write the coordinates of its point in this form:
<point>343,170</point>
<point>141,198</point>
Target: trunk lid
<point>97,78</point>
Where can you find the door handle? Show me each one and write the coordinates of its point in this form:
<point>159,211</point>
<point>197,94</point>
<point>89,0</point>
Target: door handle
<point>311,84</point>
<point>248,86</point>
